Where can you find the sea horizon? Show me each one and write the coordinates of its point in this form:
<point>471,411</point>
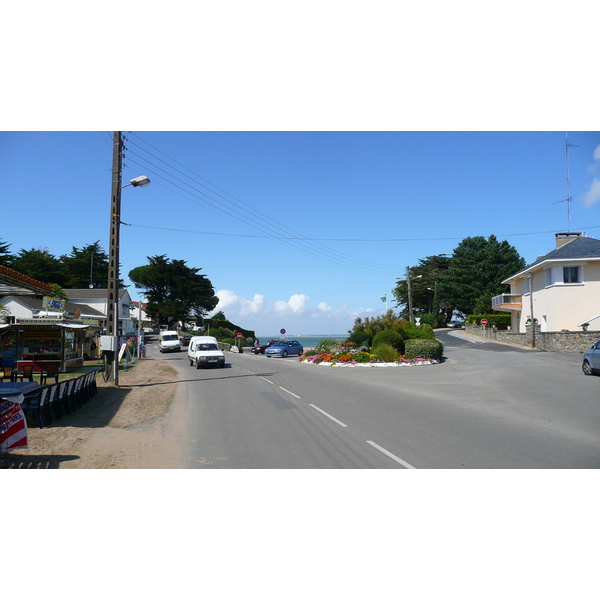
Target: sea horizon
<point>309,340</point>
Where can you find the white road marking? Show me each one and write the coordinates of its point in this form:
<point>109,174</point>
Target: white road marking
<point>267,380</point>
<point>290,393</point>
<point>392,456</point>
<point>328,415</point>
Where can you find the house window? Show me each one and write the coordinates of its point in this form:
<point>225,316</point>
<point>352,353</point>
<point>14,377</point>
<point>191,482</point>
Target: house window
<point>571,275</point>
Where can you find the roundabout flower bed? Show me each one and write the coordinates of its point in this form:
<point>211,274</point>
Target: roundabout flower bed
<point>359,358</point>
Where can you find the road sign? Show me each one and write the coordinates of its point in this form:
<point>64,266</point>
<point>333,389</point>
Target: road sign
<point>282,331</point>
<point>484,321</point>
<point>239,336</point>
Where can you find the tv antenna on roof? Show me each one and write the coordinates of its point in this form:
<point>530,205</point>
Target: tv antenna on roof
<point>568,198</point>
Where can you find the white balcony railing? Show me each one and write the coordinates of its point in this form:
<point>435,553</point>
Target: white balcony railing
<point>506,300</point>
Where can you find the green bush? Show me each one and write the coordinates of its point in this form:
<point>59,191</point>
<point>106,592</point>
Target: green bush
<point>424,349</point>
<point>495,319</point>
<point>360,338</point>
<point>410,331</point>
<point>392,338</point>
<point>385,352</point>
<point>429,319</point>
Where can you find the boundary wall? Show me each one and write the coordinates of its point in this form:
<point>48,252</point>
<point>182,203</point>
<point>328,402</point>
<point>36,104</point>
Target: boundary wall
<point>550,341</point>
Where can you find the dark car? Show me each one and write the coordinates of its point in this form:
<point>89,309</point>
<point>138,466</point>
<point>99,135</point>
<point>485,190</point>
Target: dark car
<point>261,349</point>
<point>185,340</point>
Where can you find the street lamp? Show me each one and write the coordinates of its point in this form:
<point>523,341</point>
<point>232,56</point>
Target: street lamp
<point>112,307</point>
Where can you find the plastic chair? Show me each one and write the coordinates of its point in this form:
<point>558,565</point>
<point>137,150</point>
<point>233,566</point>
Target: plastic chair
<point>52,403</point>
<point>34,402</point>
<point>25,371</point>
<point>50,370</point>
<point>7,372</point>
<point>69,398</point>
<point>60,401</point>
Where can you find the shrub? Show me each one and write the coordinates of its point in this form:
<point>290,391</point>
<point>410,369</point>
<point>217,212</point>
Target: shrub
<point>392,338</point>
<point>496,319</point>
<point>360,338</point>
<point>429,319</point>
<point>424,349</point>
<point>385,352</point>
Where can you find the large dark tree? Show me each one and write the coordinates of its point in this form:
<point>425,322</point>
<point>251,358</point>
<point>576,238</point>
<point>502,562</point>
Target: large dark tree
<point>86,267</point>
<point>174,291</point>
<point>475,272</point>
<point>6,257</point>
<point>40,265</point>
<point>424,279</point>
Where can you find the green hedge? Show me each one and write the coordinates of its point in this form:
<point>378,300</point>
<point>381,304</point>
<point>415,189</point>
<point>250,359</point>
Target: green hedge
<point>491,319</point>
<point>392,338</point>
<point>424,349</point>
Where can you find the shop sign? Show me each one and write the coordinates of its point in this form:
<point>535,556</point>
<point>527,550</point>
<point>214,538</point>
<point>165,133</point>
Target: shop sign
<point>56,303</point>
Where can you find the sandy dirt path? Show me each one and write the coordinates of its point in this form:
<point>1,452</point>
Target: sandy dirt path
<point>119,428</point>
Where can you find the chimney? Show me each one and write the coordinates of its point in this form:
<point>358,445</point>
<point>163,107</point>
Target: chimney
<point>565,238</point>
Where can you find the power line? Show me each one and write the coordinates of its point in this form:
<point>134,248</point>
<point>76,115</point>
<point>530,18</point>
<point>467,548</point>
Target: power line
<point>298,242</point>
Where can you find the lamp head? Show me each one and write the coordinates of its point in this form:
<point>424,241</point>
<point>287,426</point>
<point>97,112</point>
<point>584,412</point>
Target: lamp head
<point>140,181</point>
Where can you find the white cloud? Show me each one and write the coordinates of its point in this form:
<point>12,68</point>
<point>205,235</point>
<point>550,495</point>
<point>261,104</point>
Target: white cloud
<point>593,194</point>
<point>294,314</point>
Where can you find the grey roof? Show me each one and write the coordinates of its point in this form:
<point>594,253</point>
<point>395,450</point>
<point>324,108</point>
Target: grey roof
<point>579,248</point>
<point>36,303</point>
<point>91,293</point>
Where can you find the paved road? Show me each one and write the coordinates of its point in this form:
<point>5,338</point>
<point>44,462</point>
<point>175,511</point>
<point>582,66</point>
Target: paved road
<point>486,406</point>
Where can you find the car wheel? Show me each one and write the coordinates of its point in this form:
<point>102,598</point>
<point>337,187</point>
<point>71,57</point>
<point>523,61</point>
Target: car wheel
<point>191,363</point>
<point>587,368</point>
<point>284,354</point>
<point>268,356</point>
<point>197,364</point>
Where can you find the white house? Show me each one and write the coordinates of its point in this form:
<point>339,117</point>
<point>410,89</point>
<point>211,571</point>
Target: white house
<point>98,298</point>
<point>560,290</point>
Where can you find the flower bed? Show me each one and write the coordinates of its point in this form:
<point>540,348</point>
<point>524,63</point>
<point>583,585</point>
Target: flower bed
<point>351,357</point>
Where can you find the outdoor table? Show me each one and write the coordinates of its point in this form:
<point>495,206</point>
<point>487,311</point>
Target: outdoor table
<point>13,426</point>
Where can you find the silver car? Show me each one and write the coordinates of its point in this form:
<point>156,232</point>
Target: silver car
<point>591,360</point>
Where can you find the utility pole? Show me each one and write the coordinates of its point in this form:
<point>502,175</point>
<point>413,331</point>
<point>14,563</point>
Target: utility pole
<point>112,307</point>
<point>531,309</point>
<point>410,309</point>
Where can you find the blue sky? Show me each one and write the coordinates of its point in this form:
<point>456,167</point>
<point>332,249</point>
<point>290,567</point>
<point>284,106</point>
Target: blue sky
<point>325,121</point>
<point>366,205</point>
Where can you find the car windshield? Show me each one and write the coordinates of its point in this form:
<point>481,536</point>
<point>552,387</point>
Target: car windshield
<point>281,344</point>
<point>208,347</point>
<point>169,338</point>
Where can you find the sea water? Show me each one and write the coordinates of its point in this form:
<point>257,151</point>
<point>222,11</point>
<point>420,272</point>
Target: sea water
<point>307,341</point>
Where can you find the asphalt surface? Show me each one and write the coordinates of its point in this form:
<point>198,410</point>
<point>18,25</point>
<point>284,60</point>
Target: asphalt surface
<point>487,405</point>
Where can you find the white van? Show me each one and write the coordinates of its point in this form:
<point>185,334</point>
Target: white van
<point>203,351</point>
<point>169,342</point>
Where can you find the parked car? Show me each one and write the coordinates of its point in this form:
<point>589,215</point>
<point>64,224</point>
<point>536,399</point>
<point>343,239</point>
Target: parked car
<point>261,349</point>
<point>203,351</point>
<point>284,348</point>
<point>591,360</point>
<point>185,340</point>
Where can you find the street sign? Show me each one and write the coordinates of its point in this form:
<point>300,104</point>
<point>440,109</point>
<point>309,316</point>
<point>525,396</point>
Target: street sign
<point>484,321</point>
<point>282,331</point>
<point>239,336</point>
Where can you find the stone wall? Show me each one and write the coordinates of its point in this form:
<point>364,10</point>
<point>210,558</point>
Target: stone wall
<point>551,341</point>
